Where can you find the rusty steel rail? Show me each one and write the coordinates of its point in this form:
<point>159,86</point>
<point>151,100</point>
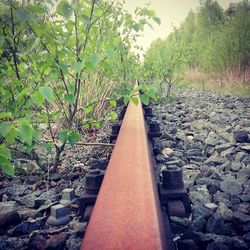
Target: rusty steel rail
<point>127,213</point>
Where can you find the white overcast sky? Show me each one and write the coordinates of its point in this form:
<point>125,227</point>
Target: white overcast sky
<point>171,12</point>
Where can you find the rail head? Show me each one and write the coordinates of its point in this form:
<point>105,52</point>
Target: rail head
<point>127,213</point>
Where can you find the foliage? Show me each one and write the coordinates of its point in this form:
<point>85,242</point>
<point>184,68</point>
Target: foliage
<point>211,40</point>
<point>59,68</point>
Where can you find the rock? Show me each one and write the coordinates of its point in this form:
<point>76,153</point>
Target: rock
<point>217,246</point>
<point>220,148</point>
<point>241,217</point>
<point>246,148</point>
<point>228,137</point>
<point>13,243</point>
<point>228,152</point>
<point>211,206</point>
<point>73,243</point>
<point>233,242</point>
<point>200,196</point>
<point>27,227</point>
<point>27,200</point>
<point>184,244</point>
<point>243,175</point>
<point>232,187</point>
<point>15,191</point>
<point>213,186</point>
<point>222,197</point>
<point>192,153</point>
<point>9,219</point>
<point>50,195</point>
<point>8,206</point>
<point>246,237</point>
<point>55,177</point>
<point>198,224</point>
<point>199,210</point>
<point>167,152</point>
<point>215,224</point>
<point>241,136</point>
<point>215,160</point>
<point>240,156</point>
<point>36,242</point>
<point>56,241</point>
<point>225,212</point>
<point>184,222</point>
<point>235,166</point>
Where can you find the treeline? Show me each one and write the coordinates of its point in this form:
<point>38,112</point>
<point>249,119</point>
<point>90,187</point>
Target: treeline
<point>210,41</point>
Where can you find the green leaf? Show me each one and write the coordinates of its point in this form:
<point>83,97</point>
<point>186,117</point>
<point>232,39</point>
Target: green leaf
<point>113,116</point>
<point>23,15</point>
<point>112,103</point>
<point>47,93</point>
<point>64,8</point>
<point>26,131</point>
<point>63,67</point>
<point>37,98</point>
<point>109,53</point>
<point>157,20</point>
<point>8,168</point>
<point>73,138</point>
<point>63,136</point>
<point>135,100</point>
<point>89,109</point>
<point>145,99</point>
<point>5,157</point>
<point>5,115</point>
<point>4,153</point>
<point>4,128</point>
<point>96,124</point>
<point>69,98</point>
<point>11,135</point>
<point>48,147</point>
<point>126,99</point>
<point>93,61</point>
<point>78,66</point>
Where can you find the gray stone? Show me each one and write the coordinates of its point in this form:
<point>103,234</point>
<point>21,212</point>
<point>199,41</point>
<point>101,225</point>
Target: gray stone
<point>228,152</point>
<point>217,246</point>
<point>184,222</point>
<point>232,187</point>
<point>8,206</point>
<point>232,242</point>
<point>15,191</point>
<point>240,156</point>
<point>199,210</point>
<point>241,136</point>
<point>222,197</point>
<point>225,212</point>
<point>211,206</point>
<point>198,224</point>
<point>73,243</point>
<point>192,153</point>
<point>241,217</point>
<point>235,166</point>
<point>246,237</point>
<point>215,224</point>
<point>215,160</point>
<point>200,196</point>
<point>167,152</point>
<point>222,147</point>
<point>27,227</point>
<point>246,147</point>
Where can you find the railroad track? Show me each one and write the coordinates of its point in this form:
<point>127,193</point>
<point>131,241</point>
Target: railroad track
<point>128,213</point>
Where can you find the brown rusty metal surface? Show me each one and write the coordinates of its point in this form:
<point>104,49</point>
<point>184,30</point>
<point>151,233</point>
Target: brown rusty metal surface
<point>127,213</point>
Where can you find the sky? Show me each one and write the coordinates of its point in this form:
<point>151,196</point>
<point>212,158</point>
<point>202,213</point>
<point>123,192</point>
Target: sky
<point>171,12</point>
